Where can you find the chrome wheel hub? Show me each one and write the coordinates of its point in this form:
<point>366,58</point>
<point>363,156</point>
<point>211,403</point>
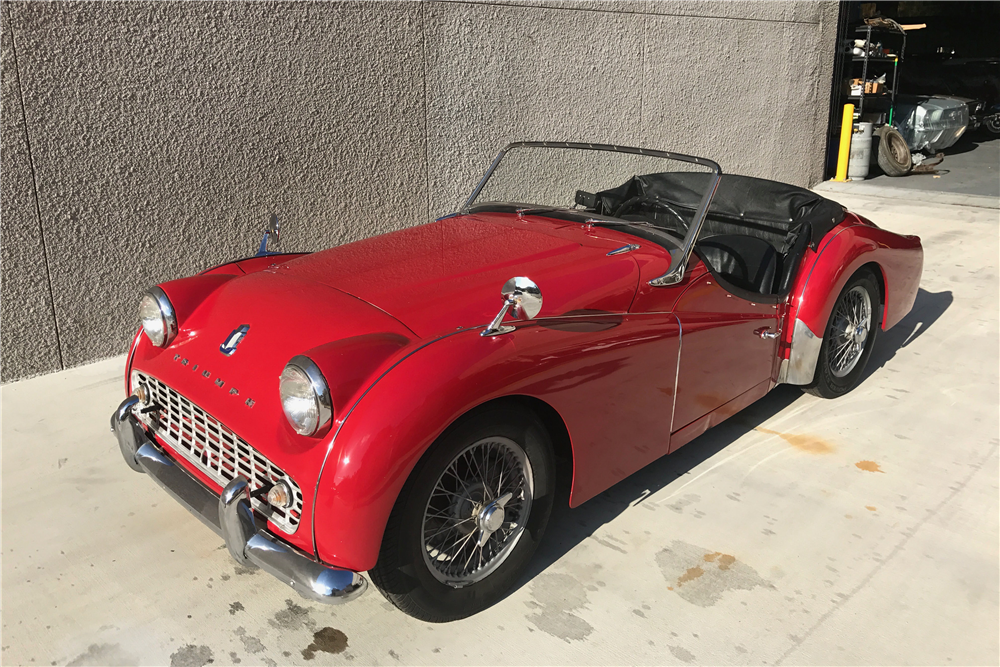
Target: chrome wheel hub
<point>477,511</point>
<point>851,322</point>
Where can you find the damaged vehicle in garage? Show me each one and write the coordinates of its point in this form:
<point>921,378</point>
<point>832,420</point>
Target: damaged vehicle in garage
<point>379,407</point>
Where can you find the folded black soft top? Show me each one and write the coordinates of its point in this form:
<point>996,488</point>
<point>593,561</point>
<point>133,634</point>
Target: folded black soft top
<point>741,200</point>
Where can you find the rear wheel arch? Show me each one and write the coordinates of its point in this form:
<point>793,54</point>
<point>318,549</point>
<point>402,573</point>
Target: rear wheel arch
<point>876,269</point>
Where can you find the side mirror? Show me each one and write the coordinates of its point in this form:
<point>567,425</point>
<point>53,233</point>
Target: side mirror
<point>521,294</point>
<point>272,237</point>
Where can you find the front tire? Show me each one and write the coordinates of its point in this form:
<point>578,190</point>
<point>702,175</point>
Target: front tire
<point>469,517</point>
<point>849,337</point>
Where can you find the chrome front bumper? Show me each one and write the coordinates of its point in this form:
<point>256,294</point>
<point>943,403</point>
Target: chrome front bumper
<point>231,518</point>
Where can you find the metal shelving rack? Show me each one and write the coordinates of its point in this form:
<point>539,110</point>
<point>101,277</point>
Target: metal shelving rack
<point>866,60</point>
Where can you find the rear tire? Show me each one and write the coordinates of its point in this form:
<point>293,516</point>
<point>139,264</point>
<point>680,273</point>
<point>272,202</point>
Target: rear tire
<point>844,353</point>
<point>448,501</point>
<point>893,154</point>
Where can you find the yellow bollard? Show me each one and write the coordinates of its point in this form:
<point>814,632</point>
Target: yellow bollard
<point>846,130</point>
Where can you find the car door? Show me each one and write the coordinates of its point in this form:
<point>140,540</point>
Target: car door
<point>728,343</point>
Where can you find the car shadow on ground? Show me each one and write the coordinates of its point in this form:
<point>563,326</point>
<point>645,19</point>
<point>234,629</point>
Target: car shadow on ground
<point>569,527</point>
<point>927,308</point>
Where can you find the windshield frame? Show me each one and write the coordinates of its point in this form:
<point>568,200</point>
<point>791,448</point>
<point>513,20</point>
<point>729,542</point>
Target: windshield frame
<point>679,258</point>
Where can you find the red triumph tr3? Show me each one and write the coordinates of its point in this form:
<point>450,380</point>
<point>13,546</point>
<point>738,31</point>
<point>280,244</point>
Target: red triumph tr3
<point>377,407</point>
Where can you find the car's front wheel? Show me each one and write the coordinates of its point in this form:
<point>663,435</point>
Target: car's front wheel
<point>849,338</point>
<point>469,517</point>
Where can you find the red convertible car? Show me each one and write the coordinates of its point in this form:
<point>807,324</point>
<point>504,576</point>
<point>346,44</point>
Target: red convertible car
<point>378,407</point>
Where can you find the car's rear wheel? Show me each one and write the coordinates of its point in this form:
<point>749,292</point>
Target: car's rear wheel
<point>470,516</point>
<point>849,337</point>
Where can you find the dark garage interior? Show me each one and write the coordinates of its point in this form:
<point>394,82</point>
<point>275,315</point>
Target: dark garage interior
<point>946,54</point>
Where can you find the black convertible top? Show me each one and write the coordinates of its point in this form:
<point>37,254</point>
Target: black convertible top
<point>761,207</point>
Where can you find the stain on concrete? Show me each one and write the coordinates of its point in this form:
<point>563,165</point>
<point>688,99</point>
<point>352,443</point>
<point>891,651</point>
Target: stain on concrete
<point>608,544</point>
<point>61,463</point>
<point>107,655</point>
<point>235,607</point>
<point>243,569</point>
<point>803,442</point>
<point>639,613</point>
<point>327,640</point>
<point>681,654</point>
<point>555,597</point>
<point>191,656</point>
<point>233,658</point>
<point>393,654</point>
<point>679,504</point>
<point>701,577</point>
<point>870,508</point>
<point>691,574</point>
<point>868,466</point>
<point>292,617</point>
<point>250,643</point>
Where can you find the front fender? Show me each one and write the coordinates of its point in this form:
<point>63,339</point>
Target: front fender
<point>855,243</point>
<point>598,374</point>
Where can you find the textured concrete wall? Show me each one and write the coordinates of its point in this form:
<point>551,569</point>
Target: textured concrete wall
<point>156,136</point>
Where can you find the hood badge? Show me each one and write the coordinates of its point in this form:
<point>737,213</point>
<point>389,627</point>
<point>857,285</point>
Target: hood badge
<point>229,346</point>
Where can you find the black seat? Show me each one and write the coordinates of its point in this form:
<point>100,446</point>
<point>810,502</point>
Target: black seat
<point>745,262</point>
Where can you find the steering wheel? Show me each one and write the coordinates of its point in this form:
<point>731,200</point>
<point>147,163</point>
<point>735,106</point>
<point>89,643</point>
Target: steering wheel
<point>649,200</point>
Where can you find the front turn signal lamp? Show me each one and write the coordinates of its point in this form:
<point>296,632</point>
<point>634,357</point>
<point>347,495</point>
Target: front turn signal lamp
<point>157,316</point>
<point>305,396</point>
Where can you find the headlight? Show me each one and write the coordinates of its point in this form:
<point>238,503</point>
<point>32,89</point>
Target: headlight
<point>157,315</point>
<point>305,396</point>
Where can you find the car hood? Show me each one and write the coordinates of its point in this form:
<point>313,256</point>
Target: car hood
<point>445,275</point>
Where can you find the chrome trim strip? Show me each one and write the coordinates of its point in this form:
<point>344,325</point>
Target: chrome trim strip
<point>677,373</point>
<point>802,357</point>
<point>231,518</point>
<point>624,249</point>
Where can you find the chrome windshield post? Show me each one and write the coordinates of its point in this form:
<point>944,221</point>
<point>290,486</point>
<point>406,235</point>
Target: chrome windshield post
<point>679,258</point>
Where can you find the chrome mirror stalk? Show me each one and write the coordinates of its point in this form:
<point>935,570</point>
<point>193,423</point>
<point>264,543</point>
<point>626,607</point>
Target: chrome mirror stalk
<point>521,294</point>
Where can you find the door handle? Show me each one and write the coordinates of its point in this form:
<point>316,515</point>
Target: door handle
<point>766,333</point>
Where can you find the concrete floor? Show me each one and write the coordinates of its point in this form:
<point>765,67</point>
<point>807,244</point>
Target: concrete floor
<point>803,531</point>
<point>971,167</point>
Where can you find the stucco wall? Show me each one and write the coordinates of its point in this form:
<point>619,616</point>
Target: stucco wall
<point>156,136</point>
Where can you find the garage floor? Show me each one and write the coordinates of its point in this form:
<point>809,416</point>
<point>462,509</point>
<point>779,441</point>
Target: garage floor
<point>802,531</point>
<point>971,166</point>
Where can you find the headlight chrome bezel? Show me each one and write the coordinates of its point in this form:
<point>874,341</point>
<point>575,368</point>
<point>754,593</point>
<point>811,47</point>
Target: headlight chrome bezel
<point>320,395</point>
<point>168,317</point>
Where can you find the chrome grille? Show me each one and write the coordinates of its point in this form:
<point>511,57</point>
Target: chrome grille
<point>214,449</point>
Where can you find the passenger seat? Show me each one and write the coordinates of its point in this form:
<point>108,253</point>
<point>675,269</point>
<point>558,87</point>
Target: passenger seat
<point>746,262</point>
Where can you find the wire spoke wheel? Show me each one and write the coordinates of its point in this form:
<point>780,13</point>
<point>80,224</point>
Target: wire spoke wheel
<point>849,329</point>
<point>477,511</point>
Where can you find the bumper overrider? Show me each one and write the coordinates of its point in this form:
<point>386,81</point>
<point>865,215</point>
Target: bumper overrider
<point>231,517</point>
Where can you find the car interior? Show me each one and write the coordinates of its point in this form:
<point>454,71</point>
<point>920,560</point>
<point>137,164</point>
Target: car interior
<point>754,235</point>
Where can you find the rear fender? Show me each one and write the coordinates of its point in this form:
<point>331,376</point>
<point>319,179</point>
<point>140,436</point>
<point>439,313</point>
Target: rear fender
<point>897,262</point>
